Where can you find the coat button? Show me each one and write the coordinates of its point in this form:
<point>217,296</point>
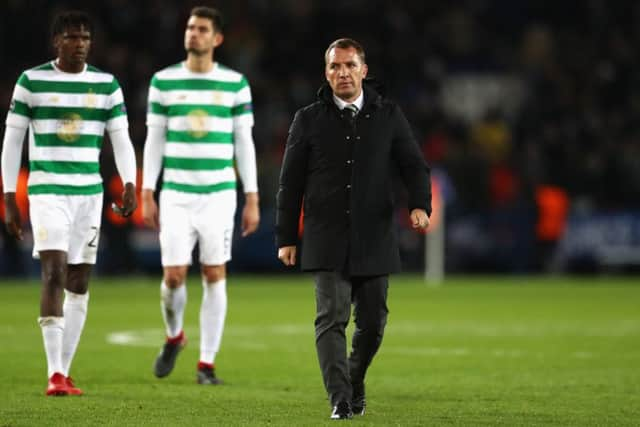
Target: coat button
<point>357,137</point>
<point>367,116</point>
<point>348,211</point>
<point>348,162</point>
<point>348,137</point>
<point>348,186</point>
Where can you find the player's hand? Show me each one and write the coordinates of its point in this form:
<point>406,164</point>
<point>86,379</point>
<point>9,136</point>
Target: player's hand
<point>129,201</point>
<point>250,214</point>
<point>419,219</point>
<point>150,210</point>
<point>287,254</point>
<point>12,216</point>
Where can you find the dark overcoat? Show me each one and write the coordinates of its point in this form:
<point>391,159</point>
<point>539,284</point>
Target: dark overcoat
<point>342,168</point>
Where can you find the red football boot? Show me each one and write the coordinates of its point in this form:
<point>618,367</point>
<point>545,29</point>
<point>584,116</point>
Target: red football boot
<point>73,390</point>
<point>57,385</point>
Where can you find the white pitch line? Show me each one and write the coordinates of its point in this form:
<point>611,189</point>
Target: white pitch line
<point>155,338</point>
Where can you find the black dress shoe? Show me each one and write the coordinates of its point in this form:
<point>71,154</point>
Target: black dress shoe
<point>358,401</point>
<point>342,411</point>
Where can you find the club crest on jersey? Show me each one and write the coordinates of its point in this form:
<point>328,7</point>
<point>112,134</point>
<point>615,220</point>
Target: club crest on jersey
<point>12,106</point>
<point>197,120</point>
<point>91,100</point>
<point>69,127</point>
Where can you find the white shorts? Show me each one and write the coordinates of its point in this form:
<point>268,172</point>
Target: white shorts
<point>187,218</point>
<point>66,223</point>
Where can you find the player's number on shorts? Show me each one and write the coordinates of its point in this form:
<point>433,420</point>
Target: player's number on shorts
<point>92,242</point>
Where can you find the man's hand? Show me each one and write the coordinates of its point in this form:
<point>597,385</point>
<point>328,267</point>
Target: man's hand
<point>250,214</point>
<point>129,201</point>
<point>12,216</point>
<point>287,254</point>
<point>150,210</point>
<point>419,219</point>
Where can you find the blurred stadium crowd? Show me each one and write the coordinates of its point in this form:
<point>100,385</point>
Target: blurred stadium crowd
<point>527,110</point>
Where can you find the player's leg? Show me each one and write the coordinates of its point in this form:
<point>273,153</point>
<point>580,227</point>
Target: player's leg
<point>76,303</point>
<point>51,320</point>
<point>83,250</point>
<point>177,240</point>
<point>49,220</point>
<point>215,232</point>
<point>173,299</point>
<point>213,312</point>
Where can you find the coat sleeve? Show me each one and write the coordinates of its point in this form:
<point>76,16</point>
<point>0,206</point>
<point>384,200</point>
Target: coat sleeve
<point>411,164</point>
<point>292,184</point>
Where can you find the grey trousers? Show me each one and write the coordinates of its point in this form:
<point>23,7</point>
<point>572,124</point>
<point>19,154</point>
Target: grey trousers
<point>334,294</point>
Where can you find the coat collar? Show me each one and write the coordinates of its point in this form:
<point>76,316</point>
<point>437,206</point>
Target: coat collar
<point>370,87</point>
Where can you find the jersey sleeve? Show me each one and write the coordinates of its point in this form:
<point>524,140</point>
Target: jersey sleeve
<point>20,112</point>
<point>117,114</point>
<point>242,109</point>
<point>157,112</point>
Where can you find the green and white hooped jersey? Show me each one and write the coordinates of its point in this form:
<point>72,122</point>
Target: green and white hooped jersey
<point>199,112</point>
<point>66,114</point>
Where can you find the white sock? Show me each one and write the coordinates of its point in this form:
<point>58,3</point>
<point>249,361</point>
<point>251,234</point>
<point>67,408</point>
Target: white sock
<point>212,314</point>
<point>52,331</point>
<point>75,313</point>
<point>172,303</point>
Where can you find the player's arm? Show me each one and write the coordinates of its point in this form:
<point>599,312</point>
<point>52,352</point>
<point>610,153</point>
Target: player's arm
<point>18,120</point>
<point>11,159</point>
<point>151,167</point>
<point>154,146</point>
<point>118,128</point>
<point>125,158</point>
<point>245,154</point>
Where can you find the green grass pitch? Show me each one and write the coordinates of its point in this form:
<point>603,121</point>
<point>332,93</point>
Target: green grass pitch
<point>509,351</point>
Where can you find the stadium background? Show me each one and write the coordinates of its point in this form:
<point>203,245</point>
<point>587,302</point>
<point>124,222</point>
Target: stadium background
<point>527,111</point>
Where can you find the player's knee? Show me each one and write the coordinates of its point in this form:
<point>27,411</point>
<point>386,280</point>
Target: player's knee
<point>213,273</point>
<point>174,278</point>
<point>54,275</point>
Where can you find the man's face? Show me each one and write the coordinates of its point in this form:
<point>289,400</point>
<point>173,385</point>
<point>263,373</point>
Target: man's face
<point>73,45</point>
<point>345,71</point>
<point>200,37</point>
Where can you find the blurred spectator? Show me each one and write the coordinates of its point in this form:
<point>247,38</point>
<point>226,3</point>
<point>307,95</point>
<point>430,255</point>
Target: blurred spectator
<point>506,96</point>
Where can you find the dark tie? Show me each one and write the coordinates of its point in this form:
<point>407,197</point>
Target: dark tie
<point>352,109</point>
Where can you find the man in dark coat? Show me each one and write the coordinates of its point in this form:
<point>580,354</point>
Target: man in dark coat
<point>340,156</point>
